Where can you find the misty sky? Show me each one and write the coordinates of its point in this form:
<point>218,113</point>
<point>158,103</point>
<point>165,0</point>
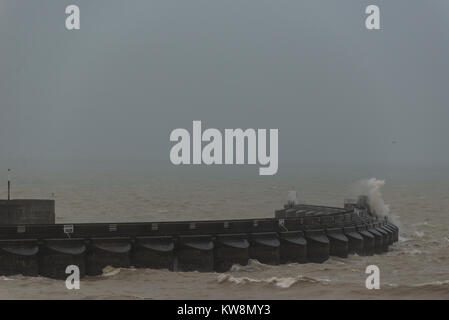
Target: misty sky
<point>112,92</point>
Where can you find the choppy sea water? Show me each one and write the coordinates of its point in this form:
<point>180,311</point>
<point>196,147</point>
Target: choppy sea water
<point>415,267</point>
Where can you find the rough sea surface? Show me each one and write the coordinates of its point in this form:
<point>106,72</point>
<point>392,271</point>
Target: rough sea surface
<point>415,267</point>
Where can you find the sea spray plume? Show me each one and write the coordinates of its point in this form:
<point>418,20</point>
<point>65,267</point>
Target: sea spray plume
<point>292,198</point>
<point>371,189</point>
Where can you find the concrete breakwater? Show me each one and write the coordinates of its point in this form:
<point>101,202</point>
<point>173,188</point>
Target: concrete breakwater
<point>47,249</point>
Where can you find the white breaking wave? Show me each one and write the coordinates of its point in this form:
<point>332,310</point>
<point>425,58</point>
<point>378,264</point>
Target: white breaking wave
<point>109,271</point>
<point>423,224</point>
<point>433,283</point>
<point>283,282</point>
<point>253,265</point>
<point>419,234</point>
<point>413,251</point>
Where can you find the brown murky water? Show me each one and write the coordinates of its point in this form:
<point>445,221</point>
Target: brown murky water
<point>415,267</point>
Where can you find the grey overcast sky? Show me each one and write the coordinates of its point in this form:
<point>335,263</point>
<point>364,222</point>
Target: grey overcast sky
<point>112,92</point>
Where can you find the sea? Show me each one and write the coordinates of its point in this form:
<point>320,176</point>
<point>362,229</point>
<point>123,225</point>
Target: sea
<point>417,200</point>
